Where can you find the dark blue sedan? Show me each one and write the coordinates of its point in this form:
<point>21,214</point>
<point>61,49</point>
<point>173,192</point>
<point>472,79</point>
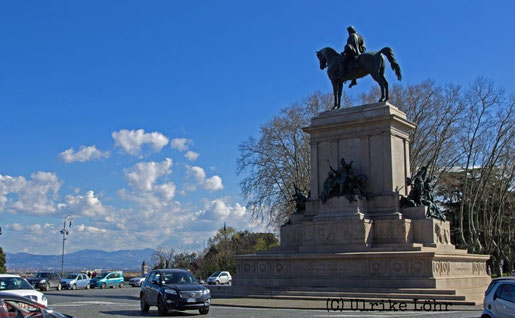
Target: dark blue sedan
<point>174,289</point>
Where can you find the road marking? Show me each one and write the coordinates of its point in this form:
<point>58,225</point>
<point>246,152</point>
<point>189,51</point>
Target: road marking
<point>83,303</point>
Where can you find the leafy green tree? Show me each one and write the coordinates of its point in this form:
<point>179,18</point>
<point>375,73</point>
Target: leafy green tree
<point>3,268</point>
<point>184,260</point>
<point>227,242</point>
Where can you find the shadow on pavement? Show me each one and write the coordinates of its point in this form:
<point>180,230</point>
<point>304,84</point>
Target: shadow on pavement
<point>151,313</point>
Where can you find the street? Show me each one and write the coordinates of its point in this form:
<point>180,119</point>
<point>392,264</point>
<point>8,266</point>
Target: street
<point>124,302</point>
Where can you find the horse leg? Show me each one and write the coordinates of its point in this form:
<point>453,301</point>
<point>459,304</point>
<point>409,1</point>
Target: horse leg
<point>340,92</point>
<point>381,80</point>
<point>385,87</point>
<point>335,93</point>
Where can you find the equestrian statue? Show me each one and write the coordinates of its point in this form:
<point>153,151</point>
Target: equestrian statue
<point>354,63</point>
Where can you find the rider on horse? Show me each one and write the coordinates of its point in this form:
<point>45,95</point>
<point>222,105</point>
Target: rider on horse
<point>354,47</point>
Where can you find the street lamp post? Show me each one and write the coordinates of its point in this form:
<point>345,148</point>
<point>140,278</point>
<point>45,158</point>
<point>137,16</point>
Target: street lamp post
<point>65,232</point>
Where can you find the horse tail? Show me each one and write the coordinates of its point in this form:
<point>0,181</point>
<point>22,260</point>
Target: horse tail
<point>391,58</point>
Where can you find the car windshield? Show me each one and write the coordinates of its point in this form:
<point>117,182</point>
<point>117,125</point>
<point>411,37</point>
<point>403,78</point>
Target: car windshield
<point>10,283</point>
<point>71,276</point>
<point>215,274</point>
<point>42,275</point>
<point>102,275</point>
<point>178,278</point>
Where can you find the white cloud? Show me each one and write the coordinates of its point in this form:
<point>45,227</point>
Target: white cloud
<point>143,175</point>
<point>87,205</point>
<point>34,196</point>
<point>219,209</point>
<point>32,229</point>
<point>145,190</point>
<point>191,155</point>
<point>132,140</point>
<point>181,144</point>
<point>14,227</point>
<point>153,215</point>
<point>90,229</point>
<point>199,175</point>
<point>83,154</point>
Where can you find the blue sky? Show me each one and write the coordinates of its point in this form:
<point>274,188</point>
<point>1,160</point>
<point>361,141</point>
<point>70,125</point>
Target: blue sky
<point>128,114</point>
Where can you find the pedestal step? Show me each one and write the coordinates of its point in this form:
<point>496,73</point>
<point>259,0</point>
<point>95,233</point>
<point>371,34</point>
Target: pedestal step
<point>368,295</point>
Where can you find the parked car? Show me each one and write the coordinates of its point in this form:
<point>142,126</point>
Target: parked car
<point>136,281</point>
<point>45,281</point>
<point>17,285</point>
<point>12,305</point>
<point>174,289</point>
<point>107,279</point>
<point>75,281</point>
<point>220,278</point>
<point>499,299</point>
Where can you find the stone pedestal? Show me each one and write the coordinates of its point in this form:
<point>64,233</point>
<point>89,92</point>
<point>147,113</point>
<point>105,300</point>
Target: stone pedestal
<point>369,243</point>
<point>376,139</point>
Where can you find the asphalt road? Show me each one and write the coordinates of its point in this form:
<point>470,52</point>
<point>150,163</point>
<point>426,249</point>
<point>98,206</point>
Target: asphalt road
<point>124,302</point>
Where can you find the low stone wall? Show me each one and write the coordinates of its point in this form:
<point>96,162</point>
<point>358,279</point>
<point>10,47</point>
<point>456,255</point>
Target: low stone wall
<point>418,269</point>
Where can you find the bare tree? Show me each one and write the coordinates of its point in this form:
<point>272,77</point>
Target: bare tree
<point>279,159</point>
<point>465,137</point>
<point>163,257</point>
<point>479,192</point>
<point>436,111</point>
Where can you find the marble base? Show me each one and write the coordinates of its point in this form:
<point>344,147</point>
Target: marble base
<point>426,268</point>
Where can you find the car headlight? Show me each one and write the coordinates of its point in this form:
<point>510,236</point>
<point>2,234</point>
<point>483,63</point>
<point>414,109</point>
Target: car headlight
<point>43,281</point>
<point>206,291</point>
<point>43,298</point>
<point>170,291</point>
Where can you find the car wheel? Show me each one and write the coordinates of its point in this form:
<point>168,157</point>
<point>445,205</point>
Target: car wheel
<point>204,311</point>
<point>87,286</point>
<point>121,285</point>
<point>103,286</point>
<point>74,287</point>
<point>161,307</point>
<point>59,287</point>
<point>229,283</point>
<point>217,282</point>
<point>142,304</point>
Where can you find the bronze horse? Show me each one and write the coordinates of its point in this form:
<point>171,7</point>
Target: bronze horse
<point>367,63</point>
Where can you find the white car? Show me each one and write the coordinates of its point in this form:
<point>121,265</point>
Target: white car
<point>220,278</point>
<point>136,281</point>
<point>500,299</point>
<point>14,284</point>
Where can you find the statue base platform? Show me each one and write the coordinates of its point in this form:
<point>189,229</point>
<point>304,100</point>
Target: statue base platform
<point>421,268</point>
<point>358,251</point>
<point>369,243</point>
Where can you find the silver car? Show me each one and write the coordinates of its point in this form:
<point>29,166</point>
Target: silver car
<point>136,281</point>
<point>75,281</point>
<point>500,299</point>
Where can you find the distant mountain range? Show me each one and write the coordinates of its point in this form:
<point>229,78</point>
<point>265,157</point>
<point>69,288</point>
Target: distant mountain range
<point>81,260</point>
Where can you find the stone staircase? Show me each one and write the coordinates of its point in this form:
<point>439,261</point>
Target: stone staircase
<point>407,295</point>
